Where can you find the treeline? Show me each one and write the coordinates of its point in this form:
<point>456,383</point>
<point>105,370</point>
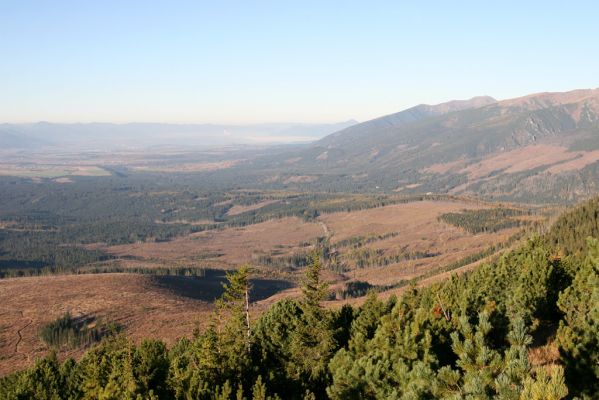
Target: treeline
<point>571,228</point>
<point>484,220</point>
<point>357,257</point>
<point>359,241</point>
<point>293,261</point>
<point>36,250</point>
<point>198,272</point>
<point>370,258</point>
<point>309,206</point>
<point>355,289</point>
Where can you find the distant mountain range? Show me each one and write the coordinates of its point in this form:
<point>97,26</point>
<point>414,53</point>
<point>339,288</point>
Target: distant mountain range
<point>104,136</point>
<point>542,147</point>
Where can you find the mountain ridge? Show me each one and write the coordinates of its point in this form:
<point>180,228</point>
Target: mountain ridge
<point>140,134</point>
<point>540,147</point>
<point>411,115</point>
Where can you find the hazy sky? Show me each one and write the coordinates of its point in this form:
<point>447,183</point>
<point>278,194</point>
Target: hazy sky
<point>267,61</point>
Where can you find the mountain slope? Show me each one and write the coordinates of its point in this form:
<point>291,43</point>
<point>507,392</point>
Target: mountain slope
<point>360,133</point>
<point>542,147</point>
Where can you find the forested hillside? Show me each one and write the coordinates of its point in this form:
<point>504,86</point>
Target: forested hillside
<point>523,327</point>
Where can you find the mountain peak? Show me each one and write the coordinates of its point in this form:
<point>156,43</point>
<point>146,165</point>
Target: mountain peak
<point>552,99</point>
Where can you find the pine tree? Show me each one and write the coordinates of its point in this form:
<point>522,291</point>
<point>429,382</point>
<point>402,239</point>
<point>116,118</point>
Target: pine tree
<point>223,351</point>
<point>478,364</point>
<point>545,385</point>
<point>312,343</point>
<point>233,306</point>
<point>273,333</point>
<point>578,336</point>
<point>388,357</point>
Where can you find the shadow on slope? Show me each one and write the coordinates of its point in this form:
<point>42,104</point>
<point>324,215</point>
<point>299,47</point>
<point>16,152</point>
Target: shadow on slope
<point>209,287</point>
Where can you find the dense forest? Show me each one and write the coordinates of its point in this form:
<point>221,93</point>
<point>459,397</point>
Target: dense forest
<point>474,336</point>
<point>485,220</point>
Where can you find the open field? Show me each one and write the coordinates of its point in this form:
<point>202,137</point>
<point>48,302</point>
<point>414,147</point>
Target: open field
<point>231,245</point>
<point>132,301</point>
<point>165,307</point>
<point>189,167</point>
<point>51,171</point>
<point>411,228</point>
<point>407,219</point>
<point>409,240</point>
<point>239,209</point>
<point>416,230</point>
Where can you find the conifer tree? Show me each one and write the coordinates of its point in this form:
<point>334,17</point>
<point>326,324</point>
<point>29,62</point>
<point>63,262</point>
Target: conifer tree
<point>545,385</point>
<point>233,307</point>
<point>273,333</point>
<point>229,336</point>
<point>312,343</point>
<point>578,334</point>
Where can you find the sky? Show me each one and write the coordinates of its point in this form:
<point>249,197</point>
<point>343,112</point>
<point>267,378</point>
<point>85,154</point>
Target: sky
<point>244,62</point>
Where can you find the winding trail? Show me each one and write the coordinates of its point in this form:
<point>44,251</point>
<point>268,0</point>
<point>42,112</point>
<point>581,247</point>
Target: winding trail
<point>19,334</point>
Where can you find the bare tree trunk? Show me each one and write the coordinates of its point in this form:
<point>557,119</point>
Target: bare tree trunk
<point>445,313</point>
<point>247,317</point>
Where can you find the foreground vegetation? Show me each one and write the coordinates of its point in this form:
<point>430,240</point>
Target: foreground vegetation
<point>465,338</point>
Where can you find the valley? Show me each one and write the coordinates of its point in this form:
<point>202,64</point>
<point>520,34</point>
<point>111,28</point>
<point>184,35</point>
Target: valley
<point>142,244</point>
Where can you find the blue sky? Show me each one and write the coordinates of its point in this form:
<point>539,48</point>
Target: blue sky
<point>271,61</point>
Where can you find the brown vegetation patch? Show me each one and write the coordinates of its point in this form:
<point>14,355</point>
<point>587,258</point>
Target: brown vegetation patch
<point>133,301</point>
<point>414,218</point>
<point>300,179</point>
<point>556,158</point>
<point>443,168</point>
<point>418,231</point>
<point>235,244</point>
<point>292,160</point>
<point>239,209</point>
<point>34,170</point>
<point>63,180</point>
<point>583,159</point>
<point>190,167</point>
<point>186,222</point>
<point>545,355</point>
<point>450,246</point>
<point>521,159</point>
